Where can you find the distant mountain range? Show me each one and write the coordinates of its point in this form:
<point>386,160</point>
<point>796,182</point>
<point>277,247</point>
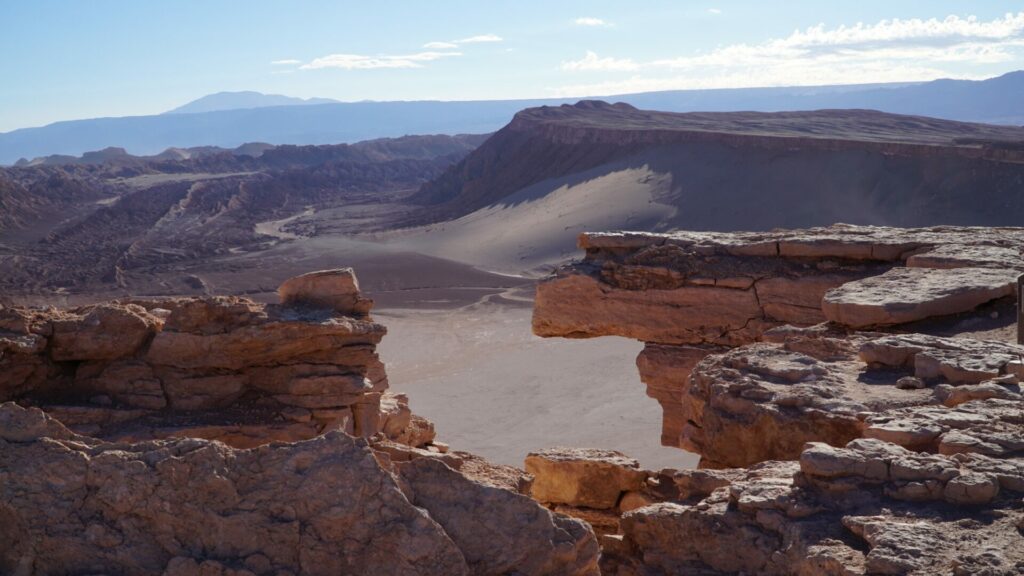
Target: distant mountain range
<point>231,119</point>
<point>243,100</point>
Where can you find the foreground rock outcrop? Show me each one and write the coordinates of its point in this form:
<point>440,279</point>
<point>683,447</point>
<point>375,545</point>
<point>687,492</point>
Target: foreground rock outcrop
<point>868,508</point>
<point>847,417</point>
<point>331,505</point>
<point>691,294</point>
<point>220,436</point>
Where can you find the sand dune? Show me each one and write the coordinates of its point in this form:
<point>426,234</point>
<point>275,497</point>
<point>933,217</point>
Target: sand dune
<point>536,228</point>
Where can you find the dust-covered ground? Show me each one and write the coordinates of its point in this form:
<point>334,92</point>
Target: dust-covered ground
<point>493,388</point>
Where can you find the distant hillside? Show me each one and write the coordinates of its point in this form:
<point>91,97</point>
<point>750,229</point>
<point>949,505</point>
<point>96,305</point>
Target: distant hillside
<point>995,101</point>
<point>738,170</point>
<point>243,100</point>
<point>86,224</point>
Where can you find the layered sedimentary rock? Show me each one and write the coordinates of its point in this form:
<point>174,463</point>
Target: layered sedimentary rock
<point>219,367</point>
<point>224,437</point>
<point>868,508</point>
<point>594,485</point>
<point>690,294</point>
<point>840,433</point>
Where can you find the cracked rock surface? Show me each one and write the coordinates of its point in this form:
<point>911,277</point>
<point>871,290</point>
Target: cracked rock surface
<point>851,391</point>
<point>324,506</point>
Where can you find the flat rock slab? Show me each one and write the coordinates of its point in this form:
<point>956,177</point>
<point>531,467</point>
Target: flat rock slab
<point>904,295</point>
<point>586,477</point>
<point>969,256</point>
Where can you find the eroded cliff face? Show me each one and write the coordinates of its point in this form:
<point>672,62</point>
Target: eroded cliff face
<point>220,436</point>
<point>749,170</point>
<point>842,430</point>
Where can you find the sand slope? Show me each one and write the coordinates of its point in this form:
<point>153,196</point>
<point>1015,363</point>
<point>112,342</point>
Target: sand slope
<point>536,228</point>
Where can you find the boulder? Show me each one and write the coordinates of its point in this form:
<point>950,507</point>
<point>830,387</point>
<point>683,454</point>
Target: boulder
<point>498,531</point>
<point>102,332</point>
<point>336,290</point>
<point>583,477</point>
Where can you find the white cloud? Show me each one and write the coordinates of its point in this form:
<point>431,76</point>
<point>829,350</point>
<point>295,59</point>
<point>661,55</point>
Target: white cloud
<point>448,45</point>
<point>594,62</point>
<point>480,38</point>
<point>890,50</point>
<point>714,11</point>
<point>433,51</point>
<point>361,62</point>
<point>590,21</point>
<point>286,62</point>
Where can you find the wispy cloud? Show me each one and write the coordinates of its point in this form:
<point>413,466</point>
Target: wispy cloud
<point>286,62</point>
<point>480,38</point>
<point>361,62</point>
<point>590,21</point>
<point>594,62</point>
<point>889,50</point>
<point>714,11</point>
<point>449,44</point>
<point>433,51</point>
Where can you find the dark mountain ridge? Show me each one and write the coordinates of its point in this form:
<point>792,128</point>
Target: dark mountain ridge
<point>995,100</point>
<point>788,168</point>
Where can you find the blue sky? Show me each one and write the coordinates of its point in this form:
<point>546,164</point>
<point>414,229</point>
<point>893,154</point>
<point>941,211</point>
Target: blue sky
<point>77,59</point>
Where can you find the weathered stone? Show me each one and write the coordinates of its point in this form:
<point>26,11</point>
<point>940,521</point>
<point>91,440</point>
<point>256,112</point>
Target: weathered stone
<point>500,532</point>
<point>102,332</point>
<point>971,488</point>
<point>966,256</point>
<point>633,500</point>
<point>666,372</point>
<point>291,503</point>
<point>957,360</point>
<point>764,402</point>
<point>994,427</point>
<point>894,433</point>
<point>169,506</point>
<point>262,345</point>
<point>578,306</point>
<point>583,477</point>
<point>796,300</point>
<point>904,295</point>
<point>336,290</point>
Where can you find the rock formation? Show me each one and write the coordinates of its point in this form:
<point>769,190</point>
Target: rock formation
<point>222,368</point>
<point>220,436</point>
<point>842,429</point>
<point>690,294</point>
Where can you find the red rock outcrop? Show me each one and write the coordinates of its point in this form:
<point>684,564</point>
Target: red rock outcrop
<point>220,367</point>
<point>826,449</point>
<point>690,294</point>
<point>869,508</point>
<point>331,505</point>
<point>221,436</point>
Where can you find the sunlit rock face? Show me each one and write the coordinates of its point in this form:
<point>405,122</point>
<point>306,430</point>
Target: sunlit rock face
<point>849,420</point>
<point>220,436</point>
